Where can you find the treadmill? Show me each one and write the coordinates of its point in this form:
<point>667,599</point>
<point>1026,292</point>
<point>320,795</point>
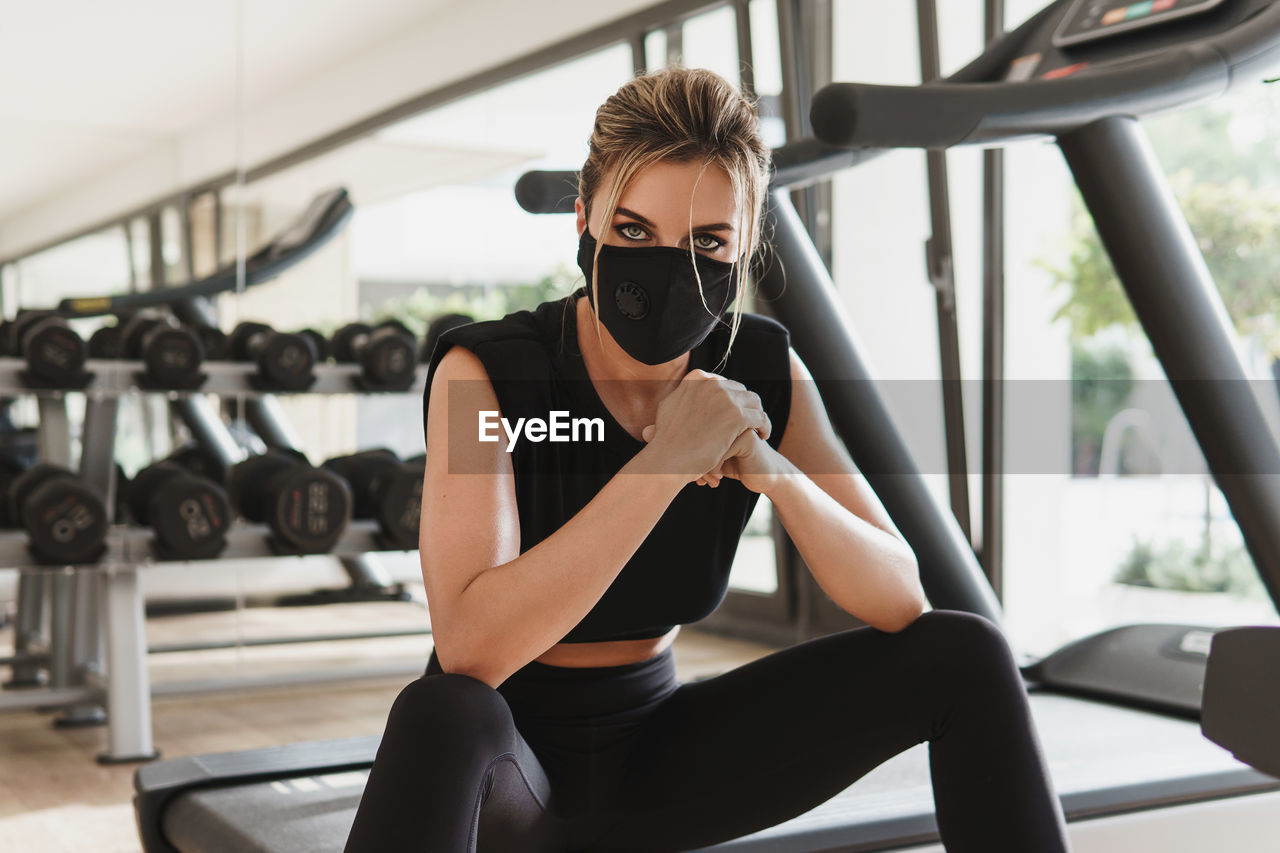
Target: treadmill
<point>1132,772</point>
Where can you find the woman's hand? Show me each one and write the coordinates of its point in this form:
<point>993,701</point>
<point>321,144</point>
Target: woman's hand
<point>701,421</point>
<point>750,460</point>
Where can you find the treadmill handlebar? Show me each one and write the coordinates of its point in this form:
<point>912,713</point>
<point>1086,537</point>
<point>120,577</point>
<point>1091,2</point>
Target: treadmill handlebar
<point>942,114</point>
<point>795,164</point>
<point>324,218</point>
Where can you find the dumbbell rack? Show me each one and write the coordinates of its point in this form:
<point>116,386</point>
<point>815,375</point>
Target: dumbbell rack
<point>96,650</point>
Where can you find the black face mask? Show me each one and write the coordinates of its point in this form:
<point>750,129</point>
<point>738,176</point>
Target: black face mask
<point>649,298</point>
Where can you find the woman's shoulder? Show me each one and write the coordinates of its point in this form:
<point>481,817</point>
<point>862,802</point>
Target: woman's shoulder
<point>759,324</point>
<point>513,342</point>
<point>760,348</point>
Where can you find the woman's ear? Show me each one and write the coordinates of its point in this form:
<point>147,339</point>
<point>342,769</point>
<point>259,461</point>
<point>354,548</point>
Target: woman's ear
<point>581,210</point>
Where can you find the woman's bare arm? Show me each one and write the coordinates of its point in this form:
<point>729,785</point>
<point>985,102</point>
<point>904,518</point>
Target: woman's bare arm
<point>846,537</point>
<point>492,608</point>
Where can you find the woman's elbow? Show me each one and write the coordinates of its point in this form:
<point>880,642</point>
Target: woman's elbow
<point>912,605</point>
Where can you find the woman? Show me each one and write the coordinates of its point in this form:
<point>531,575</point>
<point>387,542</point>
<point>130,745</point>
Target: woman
<point>558,572</point>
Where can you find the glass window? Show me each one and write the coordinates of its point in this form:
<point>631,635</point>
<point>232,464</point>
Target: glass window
<point>655,50</point>
<point>710,41</point>
<point>175,271</point>
<point>1161,543</point>
<point>767,68</point>
<point>93,265</point>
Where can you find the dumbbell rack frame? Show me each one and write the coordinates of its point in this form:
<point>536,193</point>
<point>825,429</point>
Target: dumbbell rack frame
<point>96,650</point>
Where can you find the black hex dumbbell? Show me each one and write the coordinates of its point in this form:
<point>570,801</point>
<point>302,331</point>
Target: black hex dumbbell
<point>285,362</point>
<point>66,521</point>
<point>55,354</point>
<point>386,489</point>
<point>438,327</point>
<point>106,341</point>
<point>172,353</point>
<point>323,351</point>
<point>198,460</point>
<point>307,508</point>
<point>217,346</point>
<point>189,514</point>
<point>387,353</point>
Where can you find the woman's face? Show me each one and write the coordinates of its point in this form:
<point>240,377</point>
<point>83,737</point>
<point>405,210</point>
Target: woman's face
<point>655,209</point>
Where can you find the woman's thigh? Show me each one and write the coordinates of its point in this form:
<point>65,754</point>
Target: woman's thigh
<point>773,738</point>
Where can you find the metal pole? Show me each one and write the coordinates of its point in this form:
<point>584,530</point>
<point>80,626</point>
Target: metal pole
<point>270,422</point>
<point>1160,266</point>
<point>941,269</point>
<point>992,551</point>
<point>207,427</point>
<point>54,446</point>
<point>128,682</point>
<point>28,631</point>
<point>804,298</point>
<point>98,472</point>
<point>746,62</point>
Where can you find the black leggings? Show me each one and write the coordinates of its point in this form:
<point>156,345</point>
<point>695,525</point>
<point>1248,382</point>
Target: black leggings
<point>626,758</point>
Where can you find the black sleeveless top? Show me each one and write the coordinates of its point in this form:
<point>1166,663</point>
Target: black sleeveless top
<point>680,573</point>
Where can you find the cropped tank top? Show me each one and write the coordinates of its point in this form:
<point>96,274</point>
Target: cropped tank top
<point>680,572</point>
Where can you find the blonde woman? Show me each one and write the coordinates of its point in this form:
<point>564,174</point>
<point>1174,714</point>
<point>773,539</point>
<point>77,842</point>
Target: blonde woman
<point>558,572</point>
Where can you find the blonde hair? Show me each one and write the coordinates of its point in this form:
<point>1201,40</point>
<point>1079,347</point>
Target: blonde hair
<point>684,115</point>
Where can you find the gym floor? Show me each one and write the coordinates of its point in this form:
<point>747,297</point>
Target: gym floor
<point>56,798</point>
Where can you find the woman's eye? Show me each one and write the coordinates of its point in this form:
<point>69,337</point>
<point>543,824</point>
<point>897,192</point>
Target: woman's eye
<point>631,231</point>
<point>711,244</point>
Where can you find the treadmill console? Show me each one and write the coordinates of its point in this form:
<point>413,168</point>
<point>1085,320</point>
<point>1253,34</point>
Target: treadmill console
<point>1089,20</point>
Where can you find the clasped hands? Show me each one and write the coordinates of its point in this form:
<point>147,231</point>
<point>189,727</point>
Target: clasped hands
<point>749,459</point>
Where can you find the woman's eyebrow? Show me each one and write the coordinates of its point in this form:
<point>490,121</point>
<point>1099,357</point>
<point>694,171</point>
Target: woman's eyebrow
<point>716,226</point>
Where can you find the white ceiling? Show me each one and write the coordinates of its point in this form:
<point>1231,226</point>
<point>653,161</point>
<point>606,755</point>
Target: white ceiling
<point>106,107</point>
<point>92,84</point>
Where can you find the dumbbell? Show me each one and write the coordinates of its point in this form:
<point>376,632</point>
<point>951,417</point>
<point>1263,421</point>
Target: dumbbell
<point>66,521</point>
<point>198,460</point>
<point>320,342</point>
<point>171,352</point>
<point>306,508</point>
<point>387,353</point>
<point>11,467</point>
<point>284,361</point>
<point>216,345</point>
<point>438,327</point>
<point>105,342</point>
<point>386,489</point>
<point>55,354</point>
<point>190,514</point>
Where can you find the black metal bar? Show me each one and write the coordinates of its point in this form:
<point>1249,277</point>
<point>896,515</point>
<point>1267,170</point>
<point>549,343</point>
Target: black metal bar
<point>639,63</point>
<point>795,164</point>
<point>941,268</point>
<point>207,428</point>
<point>803,298</point>
<point>1157,260</point>
<point>128,248</point>
<point>155,246</point>
<point>218,228</point>
<point>188,244</point>
<point>746,60</point>
<point>993,284</point>
<point>268,420</point>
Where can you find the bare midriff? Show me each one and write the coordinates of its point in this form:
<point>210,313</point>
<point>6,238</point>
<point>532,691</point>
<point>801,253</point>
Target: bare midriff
<point>608,653</point>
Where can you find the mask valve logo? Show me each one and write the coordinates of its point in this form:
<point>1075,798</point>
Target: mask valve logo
<point>631,299</point>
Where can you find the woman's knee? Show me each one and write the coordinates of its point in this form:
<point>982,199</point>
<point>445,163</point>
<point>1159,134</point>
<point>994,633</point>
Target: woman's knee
<point>964,641</point>
<point>455,704</point>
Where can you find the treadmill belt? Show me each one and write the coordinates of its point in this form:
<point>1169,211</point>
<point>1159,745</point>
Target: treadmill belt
<point>1103,759</point>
